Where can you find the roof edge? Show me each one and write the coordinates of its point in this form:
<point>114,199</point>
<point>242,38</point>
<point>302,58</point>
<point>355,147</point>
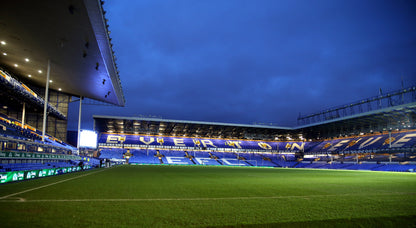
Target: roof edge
<point>397,107</point>
<point>101,32</point>
<point>191,122</point>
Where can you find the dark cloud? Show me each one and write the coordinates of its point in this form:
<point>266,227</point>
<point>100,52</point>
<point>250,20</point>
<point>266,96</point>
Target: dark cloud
<point>257,61</point>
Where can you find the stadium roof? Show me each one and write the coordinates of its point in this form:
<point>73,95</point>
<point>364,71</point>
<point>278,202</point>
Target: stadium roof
<point>73,35</point>
<point>399,117</point>
<point>155,126</point>
<point>395,110</point>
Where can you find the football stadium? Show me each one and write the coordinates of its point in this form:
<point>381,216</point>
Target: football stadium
<point>353,165</point>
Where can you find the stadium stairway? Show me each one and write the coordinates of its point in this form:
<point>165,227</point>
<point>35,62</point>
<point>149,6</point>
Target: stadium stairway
<point>244,159</point>
<point>159,156</point>
<point>191,158</point>
<point>264,158</point>
<point>212,156</point>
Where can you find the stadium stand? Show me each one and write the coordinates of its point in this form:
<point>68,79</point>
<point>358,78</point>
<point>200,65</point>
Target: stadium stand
<point>364,152</point>
<point>8,82</point>
<point>112,153</point>
<point>144,157</point>
<point>12,128</point>
<point>24,156</point>
<point>40,94</point>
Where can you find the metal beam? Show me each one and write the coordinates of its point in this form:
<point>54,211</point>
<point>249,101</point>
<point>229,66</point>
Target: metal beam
<point>46,101</point>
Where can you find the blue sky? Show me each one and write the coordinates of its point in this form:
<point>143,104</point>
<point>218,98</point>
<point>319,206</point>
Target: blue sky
<point>255,61</point>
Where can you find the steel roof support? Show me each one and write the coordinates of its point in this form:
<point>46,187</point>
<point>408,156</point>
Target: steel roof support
<point>79,122</point>
<point>23,115</point>
<point>45,109</point>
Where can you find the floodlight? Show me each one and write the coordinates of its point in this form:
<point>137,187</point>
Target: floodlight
<point>88,139</point>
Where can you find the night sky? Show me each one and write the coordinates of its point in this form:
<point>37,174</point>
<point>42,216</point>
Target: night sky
<point>255,61</point>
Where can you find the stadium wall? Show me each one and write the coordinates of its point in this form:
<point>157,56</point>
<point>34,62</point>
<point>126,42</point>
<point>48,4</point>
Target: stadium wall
<point>396,140</point>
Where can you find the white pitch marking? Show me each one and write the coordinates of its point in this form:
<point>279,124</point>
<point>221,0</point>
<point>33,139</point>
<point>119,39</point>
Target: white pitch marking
<point>201,199</point>
<point>15,199</point>
<point>32,189</point>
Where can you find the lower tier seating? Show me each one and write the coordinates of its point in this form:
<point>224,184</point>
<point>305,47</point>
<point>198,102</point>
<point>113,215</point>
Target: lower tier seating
<point>176,157</point>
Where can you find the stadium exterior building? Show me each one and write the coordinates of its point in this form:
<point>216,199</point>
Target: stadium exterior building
<point>369,116</point>
<point>377,129</point>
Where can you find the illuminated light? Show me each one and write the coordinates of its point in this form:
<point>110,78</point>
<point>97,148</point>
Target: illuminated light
<point>59,89</point>
<point>15,65</point>
<point>3,42</point>
<point>40,72</point>
<point>4,53</point>
<point>26,59</point>
<point>88,139</point>
<point>50,81</point>
<point>29,75</point>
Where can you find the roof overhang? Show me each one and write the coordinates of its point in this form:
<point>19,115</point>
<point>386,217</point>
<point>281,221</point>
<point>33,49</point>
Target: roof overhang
<point>73,35</point>
<point>382,114</point>
<point>168,127</point>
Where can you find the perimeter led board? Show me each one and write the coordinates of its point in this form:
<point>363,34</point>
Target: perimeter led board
<point>88,139</point>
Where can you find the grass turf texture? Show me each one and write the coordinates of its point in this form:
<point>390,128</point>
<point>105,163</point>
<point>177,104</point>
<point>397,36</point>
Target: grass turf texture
<point>195,196</point>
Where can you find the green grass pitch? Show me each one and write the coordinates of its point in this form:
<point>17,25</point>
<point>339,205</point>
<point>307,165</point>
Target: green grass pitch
<point>202,196</point>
